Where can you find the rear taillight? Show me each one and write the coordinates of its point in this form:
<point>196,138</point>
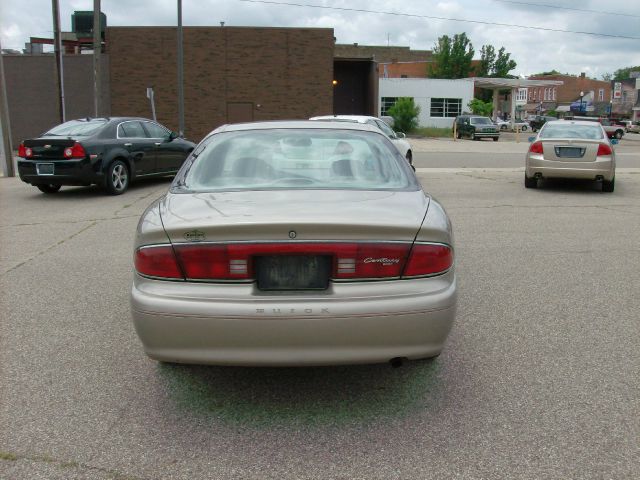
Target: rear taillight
<point>157,261</point>
<point>604,150</point>
<point>428,259</point>
<point>536,147</point>
<point>350,261</point>
<point>77,151</point>
<point>24,152</point>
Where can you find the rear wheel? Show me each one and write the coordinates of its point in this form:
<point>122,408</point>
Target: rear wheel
<point>608,186</point>
<point>619,134</point>
<point>530,182</point>
<point>49,188</point>
<point>524,128</point>
<point>117,178</point>
<point>495,139</point>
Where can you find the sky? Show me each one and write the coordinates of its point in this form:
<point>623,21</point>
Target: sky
<point>416,24</point>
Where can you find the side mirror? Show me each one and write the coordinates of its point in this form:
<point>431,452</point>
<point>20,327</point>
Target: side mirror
<point>531,139</point>
<point>172,136</point>
<point>400,135</point>
<point>614,141</point>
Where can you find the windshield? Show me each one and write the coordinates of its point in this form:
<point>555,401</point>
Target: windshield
<point>297,159</point>
<point>75,128</point>
<point>571,130</point>
<point>481,121</point>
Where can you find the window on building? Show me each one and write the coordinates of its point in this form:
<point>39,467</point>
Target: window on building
<point>535,95</point>
<point>386,103</point>
<point>446,107</point>
<point>601,95</point>
<point>554,93</point>
<point>522,95</point>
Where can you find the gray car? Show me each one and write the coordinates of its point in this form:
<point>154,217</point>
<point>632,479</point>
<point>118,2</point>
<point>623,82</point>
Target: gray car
<point>571,149</point>
<point>294,243</point>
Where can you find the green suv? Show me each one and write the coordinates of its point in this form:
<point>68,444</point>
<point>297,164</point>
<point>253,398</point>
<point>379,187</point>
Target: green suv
<point>476,127</point>
<point>539,121</point>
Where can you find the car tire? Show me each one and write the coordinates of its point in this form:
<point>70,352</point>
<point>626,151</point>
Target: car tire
<point>495,139</point>
<point>618,134</point>
<point>524,128</point>
<point>608,186</point>
<point>503,128</point>
<point>117,178</point>
<point>473,136</point>
<point>49,188</point>
<point>534,129</point>
<point>530,182</point>
<point>458,135</point>
<point>409,157</point>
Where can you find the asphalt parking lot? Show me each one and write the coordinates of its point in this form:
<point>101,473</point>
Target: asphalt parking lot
<point>540,377</point>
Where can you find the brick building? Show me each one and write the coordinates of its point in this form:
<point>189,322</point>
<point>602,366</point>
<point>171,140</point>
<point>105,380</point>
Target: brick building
<point>596,94</point>
<point>231,74</point>
<point>393,62</point>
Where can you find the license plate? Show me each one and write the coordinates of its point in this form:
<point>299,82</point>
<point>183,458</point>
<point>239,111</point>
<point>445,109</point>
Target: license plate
<point>293,272</point>
<point>569,152</point>
<point>44,168</point>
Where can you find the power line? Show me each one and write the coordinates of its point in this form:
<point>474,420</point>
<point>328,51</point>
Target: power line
<point>431,17</point>
<point>568,8</point>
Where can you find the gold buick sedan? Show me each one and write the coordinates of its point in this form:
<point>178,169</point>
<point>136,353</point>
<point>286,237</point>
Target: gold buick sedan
<point>571,149</point>
<point>290,244</point>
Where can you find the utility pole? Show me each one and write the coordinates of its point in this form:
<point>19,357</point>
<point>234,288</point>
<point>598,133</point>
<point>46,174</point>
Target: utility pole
<point>57,47</point>
<point>180,74</point>
<point>4,124</point>
<point>97,50</point>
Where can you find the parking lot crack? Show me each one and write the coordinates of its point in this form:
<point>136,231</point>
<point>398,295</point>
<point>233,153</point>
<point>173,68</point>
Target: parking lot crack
<point>66,464</point>
<point>51,247</point>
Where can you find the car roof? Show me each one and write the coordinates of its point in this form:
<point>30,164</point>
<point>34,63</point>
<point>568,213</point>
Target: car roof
<point>298,124</point>
<point>347,118</point>
<point>577,122</point>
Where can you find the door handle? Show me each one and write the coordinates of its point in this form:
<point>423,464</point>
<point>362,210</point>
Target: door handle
<point>157,144</point>
<point>128,144</point>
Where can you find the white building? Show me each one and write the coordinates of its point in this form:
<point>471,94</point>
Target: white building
<point>440,100</point>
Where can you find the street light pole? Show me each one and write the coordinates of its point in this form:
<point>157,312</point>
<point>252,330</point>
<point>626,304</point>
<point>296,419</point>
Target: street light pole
<point>581,106</point>
<point>97,50</point>
<point>57,47</point>
<point>180,74</point>
<point>5,124</point>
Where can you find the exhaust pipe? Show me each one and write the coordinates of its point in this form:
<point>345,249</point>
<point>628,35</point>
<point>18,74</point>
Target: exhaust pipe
<point>397,362</point>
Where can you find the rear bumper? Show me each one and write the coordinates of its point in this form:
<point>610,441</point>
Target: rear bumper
<point>603,167</point>
<point>66,172</point>
<point>350,323</point>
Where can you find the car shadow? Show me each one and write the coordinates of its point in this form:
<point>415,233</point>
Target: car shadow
<point>267,397</point>
<point>568,185</point>
<point>72,192</point>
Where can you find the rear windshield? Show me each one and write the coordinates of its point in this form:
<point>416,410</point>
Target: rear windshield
<point>75,128</point>
<point>480,121</point>
<point>297,159</point>
<point>571,130</point>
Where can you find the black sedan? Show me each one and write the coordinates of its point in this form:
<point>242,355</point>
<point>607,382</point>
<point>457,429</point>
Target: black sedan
<point>109,152</point>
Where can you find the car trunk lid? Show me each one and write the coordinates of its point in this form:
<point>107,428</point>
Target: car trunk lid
<point>49,148</point>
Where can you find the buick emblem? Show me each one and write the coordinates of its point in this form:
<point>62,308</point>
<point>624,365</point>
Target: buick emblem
<point>293,234</point>
<point>194,236</point>
<point>47,146</point>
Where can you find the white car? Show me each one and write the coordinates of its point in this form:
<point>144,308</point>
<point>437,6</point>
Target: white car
<point>397,138</point>
<point>506,125</point>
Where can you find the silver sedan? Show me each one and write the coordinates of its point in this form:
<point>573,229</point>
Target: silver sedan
<point>571,149</point>
<point>294,243</point>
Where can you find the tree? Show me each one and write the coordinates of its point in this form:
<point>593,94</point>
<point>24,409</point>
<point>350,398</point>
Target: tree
<point>492,65</point>
<point>487,60</point>
<point>607,76</point>
<point>624,73</point>
<point>452,57</point>
<point>503,64</point>
<point>405,114</point>
<point>479,107</point>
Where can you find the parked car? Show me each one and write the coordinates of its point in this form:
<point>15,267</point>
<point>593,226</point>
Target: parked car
<point>539,120</point>
<point>612,128</point>
<point>109,152</point>
<point>476,127</point>
<point>571,149</point>
<point>278,245</point>
<point>634,127</point>
<point>398,138</point>
<point>505,125</point>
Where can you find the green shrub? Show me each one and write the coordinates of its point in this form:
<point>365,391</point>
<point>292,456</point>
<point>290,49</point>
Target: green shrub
<point>478,107</point>
<point>405,115</point>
